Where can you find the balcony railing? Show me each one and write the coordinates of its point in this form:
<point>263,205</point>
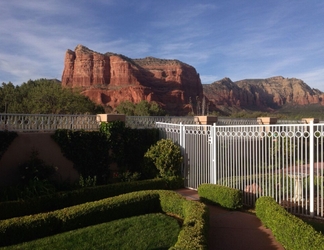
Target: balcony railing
<point>47,122</point>
<point>52,122</point>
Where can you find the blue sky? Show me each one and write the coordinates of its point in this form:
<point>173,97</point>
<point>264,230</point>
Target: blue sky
<point>233,38</point>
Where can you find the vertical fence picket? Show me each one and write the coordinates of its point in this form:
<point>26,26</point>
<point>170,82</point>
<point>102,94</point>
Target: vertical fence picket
<point>311,168</point>
<point>261,160</point>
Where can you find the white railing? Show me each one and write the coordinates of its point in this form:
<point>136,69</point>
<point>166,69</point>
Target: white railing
<point>47,122</point>
<point>282,161</point>
<point>150,121</point>
<point>222,121</point>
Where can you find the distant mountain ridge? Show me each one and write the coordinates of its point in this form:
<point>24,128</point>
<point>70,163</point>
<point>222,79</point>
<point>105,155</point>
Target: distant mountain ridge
<point>110,78</point>
<point>261,94</point>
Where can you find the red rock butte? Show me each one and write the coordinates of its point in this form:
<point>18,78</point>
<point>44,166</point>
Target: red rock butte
<point>108,79</point>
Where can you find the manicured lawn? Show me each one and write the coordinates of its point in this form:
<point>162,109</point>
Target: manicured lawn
<point>151,231</point>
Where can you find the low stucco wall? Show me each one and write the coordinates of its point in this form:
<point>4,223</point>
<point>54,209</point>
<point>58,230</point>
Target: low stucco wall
<point>20,150</point>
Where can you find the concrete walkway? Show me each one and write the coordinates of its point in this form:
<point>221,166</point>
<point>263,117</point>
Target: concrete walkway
<point>235,230</point>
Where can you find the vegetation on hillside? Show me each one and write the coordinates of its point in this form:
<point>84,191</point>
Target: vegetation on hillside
<point>44,96</point>
<point>143,108</point>
<point>293,112</point>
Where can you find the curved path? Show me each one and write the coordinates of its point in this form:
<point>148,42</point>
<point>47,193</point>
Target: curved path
<point>235,230</point>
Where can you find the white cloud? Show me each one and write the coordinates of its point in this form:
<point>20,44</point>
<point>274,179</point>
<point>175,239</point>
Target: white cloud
<point>231,39</point>
<point>19,68</point>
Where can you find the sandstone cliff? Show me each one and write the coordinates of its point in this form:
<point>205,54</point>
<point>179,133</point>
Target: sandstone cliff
<point>108,79</point>
<point>261,94</point>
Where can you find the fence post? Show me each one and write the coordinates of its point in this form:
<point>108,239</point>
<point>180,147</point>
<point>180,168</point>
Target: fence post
<point>267,121</point>
<point>308,120</point>
<point>311,122</point>
<point>311,167</point>
<point>212,141</point>
<point>181,135</point>
<point>205,120</point>
<point>182,144</point>
<point>110,118</point>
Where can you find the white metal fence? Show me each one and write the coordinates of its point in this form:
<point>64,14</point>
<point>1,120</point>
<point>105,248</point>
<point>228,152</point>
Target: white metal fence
<point>282,161</point>
<point>285,161</point>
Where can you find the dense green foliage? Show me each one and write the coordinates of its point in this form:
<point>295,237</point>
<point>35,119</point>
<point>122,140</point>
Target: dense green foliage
<point>6,138</point>
<point>192,235</point>
<point>150,231</point>
<point>128,146</point>
<point>194,231</point>
<point>298,112</point>
<point>26,228</point>
<point>286,112</point>
<point>166,157</point>
<point>215,194</point>
<point>289,230</point>
<point>60,200</point>
<point>143,108</point>
<point>88,150</point>
<point>44,97</point>
<point>93,152</point>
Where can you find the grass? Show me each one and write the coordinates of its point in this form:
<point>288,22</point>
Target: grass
<point>150,231</point>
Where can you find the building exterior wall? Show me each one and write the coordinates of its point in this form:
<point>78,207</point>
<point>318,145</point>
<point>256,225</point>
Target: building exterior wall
<point>20,151</point>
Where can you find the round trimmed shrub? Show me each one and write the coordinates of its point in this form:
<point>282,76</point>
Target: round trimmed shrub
<point>165,157</point>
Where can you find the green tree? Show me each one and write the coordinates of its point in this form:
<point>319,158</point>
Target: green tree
<point>143,108</point>
<point>126,108</point>
<point>45,97</point>
<point>7,97</point>
<point>156,110</point>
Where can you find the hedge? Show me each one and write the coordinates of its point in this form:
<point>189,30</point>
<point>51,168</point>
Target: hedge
<point>220,195</point>
<point>65,199</point>
<point>289,230</point>
<point>194,231</point>
<point>193,234</point>
<point>88,149</point>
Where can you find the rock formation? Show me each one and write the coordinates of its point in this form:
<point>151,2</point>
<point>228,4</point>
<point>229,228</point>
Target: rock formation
<point>109,79</point>
<point>261,94</point>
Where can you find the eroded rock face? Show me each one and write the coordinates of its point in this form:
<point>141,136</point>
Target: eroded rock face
<point>109,79</point>
<point>261,94</point>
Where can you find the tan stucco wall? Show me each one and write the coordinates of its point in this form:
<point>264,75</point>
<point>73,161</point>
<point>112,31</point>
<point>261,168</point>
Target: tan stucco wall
<point>20,150</point>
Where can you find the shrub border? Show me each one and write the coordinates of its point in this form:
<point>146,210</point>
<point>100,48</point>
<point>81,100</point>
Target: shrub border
<point>193,234</point>
<point>289,230</point>
<point>220,195</point>
<point>56,201</point>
